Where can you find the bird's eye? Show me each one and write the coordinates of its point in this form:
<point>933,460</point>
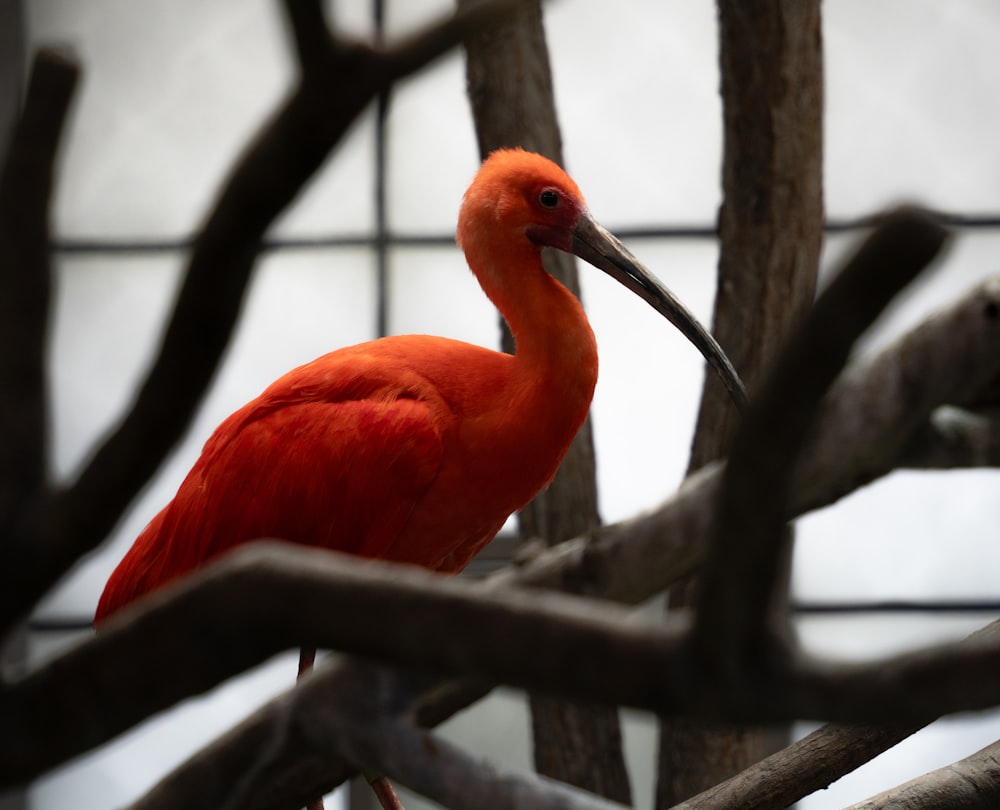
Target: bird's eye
<point>549,198</point>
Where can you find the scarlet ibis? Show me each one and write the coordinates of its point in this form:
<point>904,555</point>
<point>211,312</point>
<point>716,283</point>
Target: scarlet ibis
<point>416,448</point>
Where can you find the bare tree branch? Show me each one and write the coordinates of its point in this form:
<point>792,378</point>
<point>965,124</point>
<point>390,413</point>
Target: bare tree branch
<point>805,766</point>
<point>917,676</point>
<point>337,82</point>
<point>878,404</point>
<point>225,608</point>
<point>538,640</point>
<point>365,724</point>
<point>349,713</point>
<point>969,784</point>
<point>441,772</point>
<point>26,184</point>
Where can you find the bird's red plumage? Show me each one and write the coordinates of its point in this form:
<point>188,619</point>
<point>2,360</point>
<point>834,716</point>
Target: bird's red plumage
<point>412,448</point>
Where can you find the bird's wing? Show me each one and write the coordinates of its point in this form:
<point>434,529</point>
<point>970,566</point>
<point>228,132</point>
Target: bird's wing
<point>339,468</point>
<point>344,475</point>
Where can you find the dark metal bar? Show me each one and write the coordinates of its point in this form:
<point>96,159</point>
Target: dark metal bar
<point>381,241</point>
<point>113,246</point>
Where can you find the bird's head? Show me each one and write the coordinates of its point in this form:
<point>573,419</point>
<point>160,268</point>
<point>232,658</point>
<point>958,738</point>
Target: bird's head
<point>518,195</point>
<point>520,201</point>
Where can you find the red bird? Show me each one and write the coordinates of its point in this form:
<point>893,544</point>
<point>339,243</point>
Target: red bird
<point>416,448</point>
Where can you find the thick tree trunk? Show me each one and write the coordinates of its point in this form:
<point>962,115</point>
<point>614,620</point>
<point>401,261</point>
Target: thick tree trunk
<point>510,88</point>
<point>770,236</point>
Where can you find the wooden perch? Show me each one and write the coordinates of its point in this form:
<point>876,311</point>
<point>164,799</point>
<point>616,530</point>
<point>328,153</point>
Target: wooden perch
<point>224,608</point>
<point>909,682</point>
<point>538,640</point>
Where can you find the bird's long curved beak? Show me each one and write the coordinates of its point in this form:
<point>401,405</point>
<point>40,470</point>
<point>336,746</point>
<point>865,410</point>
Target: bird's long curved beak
<point>599,247</point>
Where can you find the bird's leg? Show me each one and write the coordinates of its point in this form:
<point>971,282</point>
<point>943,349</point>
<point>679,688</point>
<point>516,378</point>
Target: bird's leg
<point>382,787</point>
<point>384,792</point>
<point>307,657</point>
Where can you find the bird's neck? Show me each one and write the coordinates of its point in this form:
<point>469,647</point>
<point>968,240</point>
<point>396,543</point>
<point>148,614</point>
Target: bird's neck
<point>555,349</point>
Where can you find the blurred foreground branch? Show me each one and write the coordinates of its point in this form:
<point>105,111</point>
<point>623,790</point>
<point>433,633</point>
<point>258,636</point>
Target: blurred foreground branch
<point>27,178</point>
<point>648,662</point>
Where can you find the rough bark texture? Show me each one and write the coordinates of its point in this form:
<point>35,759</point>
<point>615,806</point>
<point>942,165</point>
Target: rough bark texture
<point>972,783</point>
<point>510,88</point>
<point>770,234</point>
